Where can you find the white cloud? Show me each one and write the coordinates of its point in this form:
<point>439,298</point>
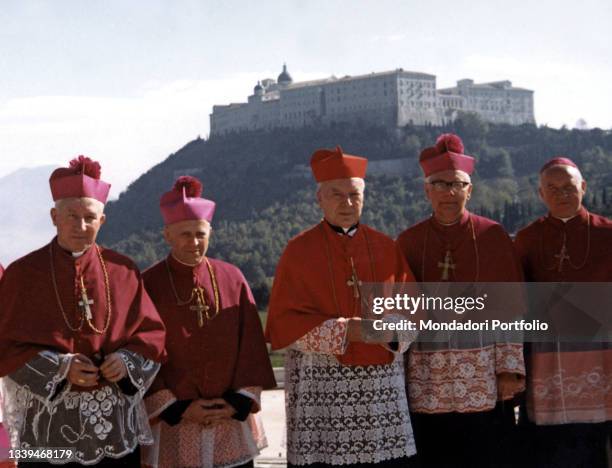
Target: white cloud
<point>127,135</point>
<point>564,92</point>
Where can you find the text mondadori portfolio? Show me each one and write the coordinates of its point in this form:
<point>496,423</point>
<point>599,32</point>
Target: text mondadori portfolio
<point>460,325</point>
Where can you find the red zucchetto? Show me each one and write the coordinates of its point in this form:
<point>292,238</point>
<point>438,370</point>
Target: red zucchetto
<point>446,155</point>
<point>184,202</point>
<point>80,180</point>
<point>558,161</point>
<point>329,164</point>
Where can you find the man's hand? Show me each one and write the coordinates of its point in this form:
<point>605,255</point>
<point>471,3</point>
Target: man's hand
<point>82,372</point>
<point>195,413</point>
<point>509,385</point>
<point>208,412</point>
<point>217,410</point>
<point>113,368</point>
<point>363,330</point>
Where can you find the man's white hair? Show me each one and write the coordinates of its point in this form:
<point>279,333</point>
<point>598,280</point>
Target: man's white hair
<point>574,171</point>
<point>428,179</point>
<point>62,202</point>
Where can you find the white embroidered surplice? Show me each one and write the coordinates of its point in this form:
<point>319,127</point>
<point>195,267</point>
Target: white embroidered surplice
<point>228,444</point>
<point>41,409</point>
<point>339,414</point>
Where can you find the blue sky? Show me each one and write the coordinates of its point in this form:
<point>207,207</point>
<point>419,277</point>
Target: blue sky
<point>129,82</point>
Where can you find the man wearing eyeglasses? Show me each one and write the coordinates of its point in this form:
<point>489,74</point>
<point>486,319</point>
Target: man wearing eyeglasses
<point>460,391</point>
<point>569,402</point>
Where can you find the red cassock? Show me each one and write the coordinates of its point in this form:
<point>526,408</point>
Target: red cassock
<point>311,287</point>
<point>475,249</point>
<point>573,385</point>
<point>228,352</point>
<point>481,251</point>
<point>588,246</point>
<point>36,287</point>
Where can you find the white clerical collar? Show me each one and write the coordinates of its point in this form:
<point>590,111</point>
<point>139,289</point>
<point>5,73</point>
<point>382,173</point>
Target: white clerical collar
<point>78,254</point>
<point>186,264</point>
<point>350,231</point>
<point>565,220</point>
<point>448,224</point>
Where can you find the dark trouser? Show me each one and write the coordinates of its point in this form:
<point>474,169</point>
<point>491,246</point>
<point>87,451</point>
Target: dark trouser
<point>246,465</point>
<point>131,460</point>
<point>466,440</point>
<point>566,445</point>
<point>404,462</point>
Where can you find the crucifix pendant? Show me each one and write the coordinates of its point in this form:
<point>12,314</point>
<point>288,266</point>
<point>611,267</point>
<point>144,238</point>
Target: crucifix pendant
<point>562,256</point>
<point>447,264</point>
<point>85,302</point>
<point>200,307</point>
<point>354,280</point>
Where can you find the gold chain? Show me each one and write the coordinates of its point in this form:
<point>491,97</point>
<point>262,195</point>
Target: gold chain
<point>179,301</point>
<point>474,243</point>
<point>560,265</point>
<point>197,291</point>
<point>82,319</point>
<point>213,280</point>
<point>331,268</point>
<point>108,296</point>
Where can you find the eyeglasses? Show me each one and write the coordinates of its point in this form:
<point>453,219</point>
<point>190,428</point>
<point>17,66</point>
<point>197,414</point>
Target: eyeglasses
<point>442,185</point>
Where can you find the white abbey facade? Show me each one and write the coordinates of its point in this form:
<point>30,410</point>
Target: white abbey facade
<point>393,98</point>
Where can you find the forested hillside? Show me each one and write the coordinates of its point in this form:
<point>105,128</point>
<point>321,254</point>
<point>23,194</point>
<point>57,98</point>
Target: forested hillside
<point>265,193</point>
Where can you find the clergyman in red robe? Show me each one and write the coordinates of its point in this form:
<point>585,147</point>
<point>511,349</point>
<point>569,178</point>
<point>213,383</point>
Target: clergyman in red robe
<point>80,339</point>
<point>345,398</point>
<point>457,389</point>
<point>205,400</point>
<point>569,401</point>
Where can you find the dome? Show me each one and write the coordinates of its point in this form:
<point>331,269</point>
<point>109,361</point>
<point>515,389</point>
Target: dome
<point>258,89</point>
<point>284,77</point>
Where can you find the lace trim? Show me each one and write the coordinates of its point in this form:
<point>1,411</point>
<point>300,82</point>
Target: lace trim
<point>328,338</point>
<point>459,380</point>
<point>230,443</point>
<point>97,423</point>
<point>564,397</point>
<point>404,337</point>
<point>158,402</point>
<point>509,358</point>
<point>342,415</point>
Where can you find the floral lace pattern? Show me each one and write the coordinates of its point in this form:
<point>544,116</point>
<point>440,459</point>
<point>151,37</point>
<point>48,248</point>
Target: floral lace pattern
<point>509,358</point>
<point>342,415</point>
<point>461,380</point>
<point>97,423</point>
<point>327,338</point>
<point>230,443</point>
<point>566,389</point>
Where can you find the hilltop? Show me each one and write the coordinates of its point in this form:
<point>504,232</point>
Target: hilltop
<point>265,194</point>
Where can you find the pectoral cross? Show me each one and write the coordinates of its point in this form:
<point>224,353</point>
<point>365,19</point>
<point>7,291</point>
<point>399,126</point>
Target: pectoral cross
<point>200,306</point>
<point>354,280</point>
<point>562,256</point>
<point>85,302</point>
<point>447,264</point>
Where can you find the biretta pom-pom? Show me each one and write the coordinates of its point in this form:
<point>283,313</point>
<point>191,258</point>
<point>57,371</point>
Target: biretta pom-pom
<point>449,142</point>
<point>87,166</point>
<point>193,187</point>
